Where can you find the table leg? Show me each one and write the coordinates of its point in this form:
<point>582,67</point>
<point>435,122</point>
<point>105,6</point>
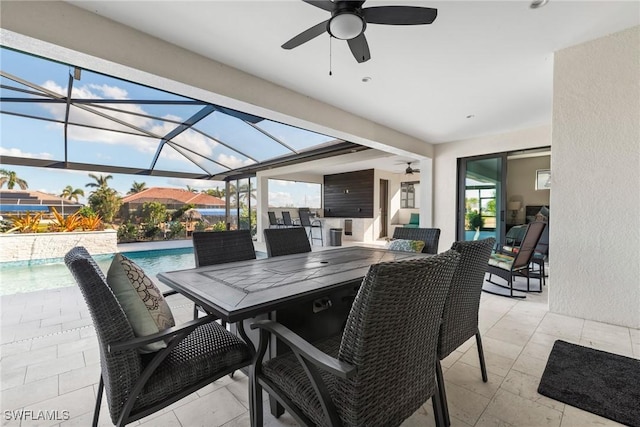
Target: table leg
<point>276,408</point>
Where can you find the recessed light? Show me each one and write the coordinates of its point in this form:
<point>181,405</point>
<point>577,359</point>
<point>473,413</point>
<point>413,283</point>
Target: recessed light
<point>366,79</point>
<point>536,4</point>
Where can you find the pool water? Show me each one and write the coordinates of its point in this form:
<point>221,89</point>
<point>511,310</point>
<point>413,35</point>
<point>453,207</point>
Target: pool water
<point>20,277</point>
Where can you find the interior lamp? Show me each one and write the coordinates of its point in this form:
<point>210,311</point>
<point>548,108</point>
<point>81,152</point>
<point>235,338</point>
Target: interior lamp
<point>514,207</point>
<point>346,26</point>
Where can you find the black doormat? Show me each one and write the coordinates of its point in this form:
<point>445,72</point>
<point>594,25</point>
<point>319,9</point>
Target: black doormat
<point>602,383</point>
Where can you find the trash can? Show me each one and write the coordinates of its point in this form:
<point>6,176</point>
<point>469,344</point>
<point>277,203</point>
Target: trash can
<point>335,237</point>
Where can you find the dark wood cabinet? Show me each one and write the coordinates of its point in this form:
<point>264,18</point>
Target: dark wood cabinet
<point>349,195</point>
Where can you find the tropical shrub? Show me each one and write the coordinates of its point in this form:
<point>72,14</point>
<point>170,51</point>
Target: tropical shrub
<point>25,224</point>
<point>62,223</point>
<point>219,226</point>
<point>127,232</point>
<point>91,223</point>
<point>176,229</point>
<point>474,220</point>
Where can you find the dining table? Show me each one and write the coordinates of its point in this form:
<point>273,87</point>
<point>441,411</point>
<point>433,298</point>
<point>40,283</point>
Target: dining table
<point>304,284</point>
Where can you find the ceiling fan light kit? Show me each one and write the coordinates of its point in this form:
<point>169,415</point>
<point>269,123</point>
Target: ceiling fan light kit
<point>345,26</point>
<point>349,20</point>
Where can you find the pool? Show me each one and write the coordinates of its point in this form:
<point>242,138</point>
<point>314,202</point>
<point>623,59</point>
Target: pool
<point>20,277</point>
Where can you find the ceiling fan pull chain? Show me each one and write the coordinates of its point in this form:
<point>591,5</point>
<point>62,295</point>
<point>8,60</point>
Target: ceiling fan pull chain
<point>330,57</point>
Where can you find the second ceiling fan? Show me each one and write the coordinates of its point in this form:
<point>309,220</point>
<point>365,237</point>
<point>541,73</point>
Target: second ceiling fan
<point>349,20</point>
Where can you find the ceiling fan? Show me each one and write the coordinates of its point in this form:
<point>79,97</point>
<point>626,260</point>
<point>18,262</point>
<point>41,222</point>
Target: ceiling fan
<point>349,20</point>
<point>409,170</point>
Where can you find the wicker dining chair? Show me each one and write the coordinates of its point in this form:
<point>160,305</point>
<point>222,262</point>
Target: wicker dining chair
<point>286,241</point>
<point>197,352</point>
<point>219,247</point>
<point>460,315</point>
<point>381,369</point>
<point>430,237</point>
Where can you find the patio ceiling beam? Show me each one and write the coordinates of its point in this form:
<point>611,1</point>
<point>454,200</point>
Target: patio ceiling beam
<point>343,147</point>
<point>187,124</point>
<point>67,110</point>
<point>224,144</point>
<point>288,147</point>
<point>90,167</point>
<point>46,119</point>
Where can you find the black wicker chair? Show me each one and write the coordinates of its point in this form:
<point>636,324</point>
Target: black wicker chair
<point>460,315</point>
<point>219,247</point>
<point>430,237</point>
<point>198,352</point>
<point>381,369</point>
<point>286,241</point>
<point>506,266</point>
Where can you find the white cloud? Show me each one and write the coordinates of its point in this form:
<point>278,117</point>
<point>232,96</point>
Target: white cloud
<point>111,92</point>
<point>233,162</point>
<point>16,152</point>
<point>280,199</point>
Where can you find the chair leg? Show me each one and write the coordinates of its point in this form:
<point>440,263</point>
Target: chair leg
<point>255,402</point>
<point>96,411</point>
<point>437,408</point>
<point>442,395</point>
<point>483,366</point>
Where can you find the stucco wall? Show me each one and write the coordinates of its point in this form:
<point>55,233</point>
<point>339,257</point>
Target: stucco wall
<point>26,247</point>
<point>595,191</point>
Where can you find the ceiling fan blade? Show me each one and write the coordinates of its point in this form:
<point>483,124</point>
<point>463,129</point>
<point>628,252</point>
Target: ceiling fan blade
<point>327,5</point>
<point>306,35</point>
<point>360,48</point>
<point>399,15</point>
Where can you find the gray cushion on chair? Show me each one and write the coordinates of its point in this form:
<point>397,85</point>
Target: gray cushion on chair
<point>287,373</point>
<point>204,353</point>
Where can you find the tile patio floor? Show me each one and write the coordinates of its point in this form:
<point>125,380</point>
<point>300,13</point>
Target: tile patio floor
<point>50,362</point>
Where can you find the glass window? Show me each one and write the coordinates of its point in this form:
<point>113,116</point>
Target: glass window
<point>408,195</point>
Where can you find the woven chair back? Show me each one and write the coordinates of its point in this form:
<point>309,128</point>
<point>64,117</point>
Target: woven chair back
<point>286,241</point>
<point>460,315</point>
<point>218,247</point>
<point>391,335</point>
<point>430,237</point>
<point>120,370</point>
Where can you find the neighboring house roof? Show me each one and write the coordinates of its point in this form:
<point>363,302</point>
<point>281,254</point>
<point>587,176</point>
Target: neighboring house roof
<point>173,196</point>
<point>31,200</point>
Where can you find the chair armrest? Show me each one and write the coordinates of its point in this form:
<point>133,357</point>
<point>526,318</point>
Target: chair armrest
<point>306,350</point>
<point>166,335</point>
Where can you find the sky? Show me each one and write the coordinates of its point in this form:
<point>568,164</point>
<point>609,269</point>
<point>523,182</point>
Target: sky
<point>149,122</point>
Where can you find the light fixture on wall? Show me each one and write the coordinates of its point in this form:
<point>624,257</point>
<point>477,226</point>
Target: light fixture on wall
<point>514,207</point>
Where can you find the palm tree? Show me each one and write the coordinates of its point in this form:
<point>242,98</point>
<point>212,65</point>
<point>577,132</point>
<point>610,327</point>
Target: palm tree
<point>192,189</point>
<point>11,179</point>
<point>101,181</point>
<point>71,193</point>
<point>137,187</point>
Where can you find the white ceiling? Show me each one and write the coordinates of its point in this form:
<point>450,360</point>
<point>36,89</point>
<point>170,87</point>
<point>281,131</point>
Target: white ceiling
<point>483,67</point>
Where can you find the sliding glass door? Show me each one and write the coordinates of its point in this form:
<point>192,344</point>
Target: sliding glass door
<point>481,197</point>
